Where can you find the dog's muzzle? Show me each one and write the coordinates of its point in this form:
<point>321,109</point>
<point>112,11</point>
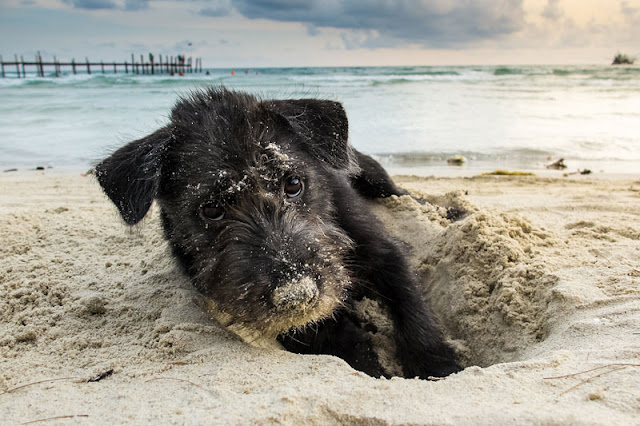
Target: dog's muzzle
<point>295,296</point>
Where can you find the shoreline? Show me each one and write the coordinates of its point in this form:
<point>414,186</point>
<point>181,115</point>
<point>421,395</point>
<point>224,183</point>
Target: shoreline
<point>441,171</point>
<point>537,287</point>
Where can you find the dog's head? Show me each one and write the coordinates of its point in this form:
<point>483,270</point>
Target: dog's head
<point>246,190</point>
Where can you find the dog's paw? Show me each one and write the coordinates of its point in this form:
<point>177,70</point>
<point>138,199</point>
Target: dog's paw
<point>431,365</point>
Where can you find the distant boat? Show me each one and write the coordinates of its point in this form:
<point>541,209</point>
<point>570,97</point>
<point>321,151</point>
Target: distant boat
<point>622,59</point>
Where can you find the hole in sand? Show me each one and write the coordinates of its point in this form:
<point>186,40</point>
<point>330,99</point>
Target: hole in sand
<point>479,272</point>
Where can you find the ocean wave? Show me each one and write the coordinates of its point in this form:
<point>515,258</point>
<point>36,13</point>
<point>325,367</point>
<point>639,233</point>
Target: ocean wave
<point>530,71</point>
<point>571,72</point>
<point>507,71</point>
<point>392,81</point>
<point>106,80</point>
<point>347,77</point>
<point>430,73</point>
<point>417,158</point>
<point>585,152</point>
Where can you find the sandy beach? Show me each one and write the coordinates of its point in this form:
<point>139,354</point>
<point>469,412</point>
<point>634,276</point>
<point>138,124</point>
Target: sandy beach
<point>537,287</point>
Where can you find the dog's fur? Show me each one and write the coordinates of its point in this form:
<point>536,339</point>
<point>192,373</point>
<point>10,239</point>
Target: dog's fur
<point>285,263</point>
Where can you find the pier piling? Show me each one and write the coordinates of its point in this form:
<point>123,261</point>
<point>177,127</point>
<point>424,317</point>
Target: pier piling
<point>170,65</point>
<point>17,66</point>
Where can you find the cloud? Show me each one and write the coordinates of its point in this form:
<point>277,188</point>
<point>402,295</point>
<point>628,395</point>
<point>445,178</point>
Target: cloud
<point>630,14</point>
<point>216,9</point>
<point>371,23</point>
<point>136,4</point>
<point>130,5</point>
<point>92,4</point>
<point>627,10</point>
<point>428,23</point>
<point>552,10</point>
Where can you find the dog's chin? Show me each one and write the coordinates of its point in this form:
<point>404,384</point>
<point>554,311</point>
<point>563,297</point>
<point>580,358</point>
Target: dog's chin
<point>295,306</point>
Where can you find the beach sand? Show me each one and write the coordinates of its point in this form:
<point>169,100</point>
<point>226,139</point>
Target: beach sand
<point>537,286</point>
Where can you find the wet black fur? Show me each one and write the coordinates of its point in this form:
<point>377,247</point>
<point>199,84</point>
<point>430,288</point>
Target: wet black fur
<point>232,148</point>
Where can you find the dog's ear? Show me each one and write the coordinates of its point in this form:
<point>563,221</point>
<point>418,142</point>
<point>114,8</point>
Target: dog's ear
<point>323,127</point>
<point>130,176</point>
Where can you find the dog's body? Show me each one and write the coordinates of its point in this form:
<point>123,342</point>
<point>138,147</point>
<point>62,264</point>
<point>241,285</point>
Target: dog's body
<point>262,204</point>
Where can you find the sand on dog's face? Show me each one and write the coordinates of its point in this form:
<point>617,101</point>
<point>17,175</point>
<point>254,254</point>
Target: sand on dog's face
<point>80,294</point>
<point>267,247</point>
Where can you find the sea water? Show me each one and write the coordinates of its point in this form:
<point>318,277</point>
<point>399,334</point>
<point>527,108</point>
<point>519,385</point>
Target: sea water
<point>410,118</point>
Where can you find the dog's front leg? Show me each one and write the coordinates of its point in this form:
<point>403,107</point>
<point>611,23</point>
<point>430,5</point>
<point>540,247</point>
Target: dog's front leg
<point>421,348</point>
<point>372,181</point>
<point>385,275</point>
<point>340,336</point>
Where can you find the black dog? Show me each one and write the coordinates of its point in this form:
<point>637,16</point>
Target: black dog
<point>262,204</point>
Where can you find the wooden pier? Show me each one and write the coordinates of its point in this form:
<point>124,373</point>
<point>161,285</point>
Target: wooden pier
<point>151,65</point>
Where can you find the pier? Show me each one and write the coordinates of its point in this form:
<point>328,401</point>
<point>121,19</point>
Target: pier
<point>151,65</point>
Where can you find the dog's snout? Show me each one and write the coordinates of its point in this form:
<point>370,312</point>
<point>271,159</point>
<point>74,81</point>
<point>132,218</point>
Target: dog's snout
<point>296,295</point>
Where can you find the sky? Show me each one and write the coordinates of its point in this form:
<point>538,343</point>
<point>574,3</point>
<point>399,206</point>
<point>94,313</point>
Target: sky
<point>282,33</point>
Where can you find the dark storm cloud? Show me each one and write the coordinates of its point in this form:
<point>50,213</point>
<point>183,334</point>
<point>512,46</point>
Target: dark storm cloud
<point>431,23</point>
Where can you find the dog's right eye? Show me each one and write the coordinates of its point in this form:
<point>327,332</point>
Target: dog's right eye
<point>212,211</point>
<point>293,187</point>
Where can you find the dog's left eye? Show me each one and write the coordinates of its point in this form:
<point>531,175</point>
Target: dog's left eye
<point>293,187</point>
<point>212,211</point>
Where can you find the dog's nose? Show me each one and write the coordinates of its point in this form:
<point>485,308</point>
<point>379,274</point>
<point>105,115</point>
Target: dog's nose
<point>296,295</point>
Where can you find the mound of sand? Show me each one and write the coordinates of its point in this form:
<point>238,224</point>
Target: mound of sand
<point>536,283</point>
<point>483,273</point>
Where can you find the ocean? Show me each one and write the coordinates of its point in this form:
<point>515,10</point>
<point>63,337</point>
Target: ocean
<point>410,118</point>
